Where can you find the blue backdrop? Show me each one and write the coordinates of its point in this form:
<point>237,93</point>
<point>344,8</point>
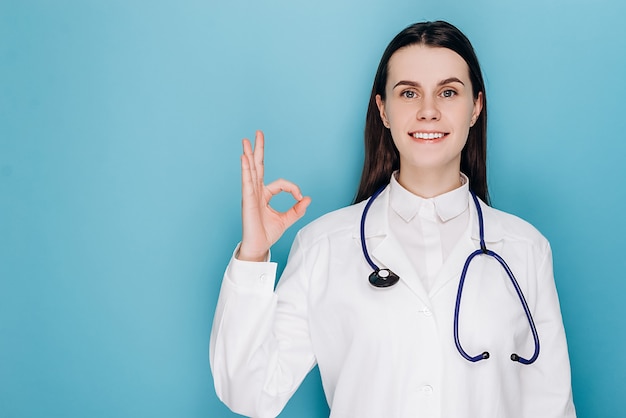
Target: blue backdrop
<point>120,129</point>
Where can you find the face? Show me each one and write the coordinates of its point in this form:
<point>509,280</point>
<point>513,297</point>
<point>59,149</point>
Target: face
<point>429,107</point>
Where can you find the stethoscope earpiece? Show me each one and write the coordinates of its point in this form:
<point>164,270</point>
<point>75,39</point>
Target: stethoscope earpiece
<point>383,278</point>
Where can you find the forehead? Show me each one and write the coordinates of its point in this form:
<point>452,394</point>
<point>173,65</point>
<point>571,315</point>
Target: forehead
<point>426,64</point>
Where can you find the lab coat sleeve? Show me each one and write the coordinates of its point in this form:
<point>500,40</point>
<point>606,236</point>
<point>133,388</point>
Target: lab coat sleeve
<point>548,381</point>
<point>260,349</point>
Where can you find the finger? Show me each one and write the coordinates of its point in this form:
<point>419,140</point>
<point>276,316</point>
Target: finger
<point>282,185</point>
<point>296,212</point>
<point>248,153</point>
<point>259,154</point>
<point>246,178</point>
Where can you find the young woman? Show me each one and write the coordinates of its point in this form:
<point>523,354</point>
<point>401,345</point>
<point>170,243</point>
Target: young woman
<point>412,300</point>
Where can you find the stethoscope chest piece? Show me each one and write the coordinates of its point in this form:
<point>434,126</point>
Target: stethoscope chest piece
<point>383,278</point>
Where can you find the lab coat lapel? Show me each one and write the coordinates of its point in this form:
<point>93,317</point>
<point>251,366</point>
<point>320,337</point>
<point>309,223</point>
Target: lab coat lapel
<point>452,267</point>
<point>385,249</point>
<point>451,270</point>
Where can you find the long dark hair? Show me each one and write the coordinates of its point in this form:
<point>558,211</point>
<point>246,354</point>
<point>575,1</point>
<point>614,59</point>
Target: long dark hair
<point>381,155</point>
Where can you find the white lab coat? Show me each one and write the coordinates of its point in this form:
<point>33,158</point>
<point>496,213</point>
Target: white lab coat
<point>390,352</point>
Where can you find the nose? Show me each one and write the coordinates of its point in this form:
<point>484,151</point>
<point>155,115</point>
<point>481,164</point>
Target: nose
<point>428,110</point>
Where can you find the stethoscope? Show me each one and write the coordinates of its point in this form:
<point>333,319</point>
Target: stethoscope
<point>384,277</point>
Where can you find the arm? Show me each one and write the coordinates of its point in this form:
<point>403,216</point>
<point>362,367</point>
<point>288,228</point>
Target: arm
<point>260,345</point>
<point>256,364</point>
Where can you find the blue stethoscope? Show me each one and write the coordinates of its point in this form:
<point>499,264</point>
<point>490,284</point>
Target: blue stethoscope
<point>382,278</point>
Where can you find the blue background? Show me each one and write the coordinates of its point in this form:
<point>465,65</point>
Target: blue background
<point>120,129</point>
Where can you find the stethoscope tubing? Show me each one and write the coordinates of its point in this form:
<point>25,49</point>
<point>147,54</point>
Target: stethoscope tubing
<point>457,308</point>
<point>363,216</point>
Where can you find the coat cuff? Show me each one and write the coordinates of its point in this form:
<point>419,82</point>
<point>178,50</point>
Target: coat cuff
<point>251,275</point>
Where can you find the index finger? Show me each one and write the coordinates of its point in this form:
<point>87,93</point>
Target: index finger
<point>282,185</point>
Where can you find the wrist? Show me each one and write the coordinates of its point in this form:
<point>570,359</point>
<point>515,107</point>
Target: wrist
<point>258,257</point>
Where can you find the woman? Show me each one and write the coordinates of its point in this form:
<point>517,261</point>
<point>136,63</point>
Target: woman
<point>388,346</point>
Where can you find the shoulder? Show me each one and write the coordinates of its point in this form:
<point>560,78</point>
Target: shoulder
<point>340,222</point>
<point>515,228</point>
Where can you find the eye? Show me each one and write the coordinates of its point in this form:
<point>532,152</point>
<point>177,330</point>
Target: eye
<point>409,94</point>
<point>448,93</point>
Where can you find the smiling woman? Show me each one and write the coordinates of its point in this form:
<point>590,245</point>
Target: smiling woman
<point>424,179</point>
<point>452,49</point>
<point>429,119</point>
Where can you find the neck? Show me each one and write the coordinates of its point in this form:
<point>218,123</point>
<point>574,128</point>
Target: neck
<point>429,183</point>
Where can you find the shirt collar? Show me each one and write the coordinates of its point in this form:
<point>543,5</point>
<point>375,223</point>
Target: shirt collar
<point>447,206</point>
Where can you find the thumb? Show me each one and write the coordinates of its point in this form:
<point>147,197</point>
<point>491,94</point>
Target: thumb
<point>296,212</point>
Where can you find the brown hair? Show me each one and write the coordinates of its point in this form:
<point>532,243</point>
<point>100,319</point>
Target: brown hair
<point>381,155</point>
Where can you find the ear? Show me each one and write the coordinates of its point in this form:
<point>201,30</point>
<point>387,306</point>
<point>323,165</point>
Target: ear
<point>478,107</point>
<point>381,109</point>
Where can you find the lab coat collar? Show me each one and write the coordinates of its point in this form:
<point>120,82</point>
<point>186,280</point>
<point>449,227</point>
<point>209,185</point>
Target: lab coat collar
<point>387,252</point>
<point>377,224</point>
<point>493,229</point>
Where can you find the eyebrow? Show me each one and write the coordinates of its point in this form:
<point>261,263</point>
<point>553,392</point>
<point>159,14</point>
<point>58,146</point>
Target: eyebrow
<point>416,84</point>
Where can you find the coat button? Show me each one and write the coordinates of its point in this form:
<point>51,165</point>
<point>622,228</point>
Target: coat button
<point>427,389</point>
<point>263,278</point>
<point>426,311</point>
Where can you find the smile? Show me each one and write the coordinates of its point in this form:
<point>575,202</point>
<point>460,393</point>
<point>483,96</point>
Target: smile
<point>427,135</point>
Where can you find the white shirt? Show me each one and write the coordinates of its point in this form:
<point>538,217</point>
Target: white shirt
<point>429,229</point>
<point>390,352</point>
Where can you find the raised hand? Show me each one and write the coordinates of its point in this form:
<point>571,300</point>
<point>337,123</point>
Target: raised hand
<point>262,225</point>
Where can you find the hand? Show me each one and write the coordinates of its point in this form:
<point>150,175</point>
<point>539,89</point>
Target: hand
<point>262,225</point>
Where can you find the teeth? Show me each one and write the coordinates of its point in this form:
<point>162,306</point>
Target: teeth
<point>423,135</point>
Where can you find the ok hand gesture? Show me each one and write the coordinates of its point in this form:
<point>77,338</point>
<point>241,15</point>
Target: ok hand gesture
<point>262,225</point>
